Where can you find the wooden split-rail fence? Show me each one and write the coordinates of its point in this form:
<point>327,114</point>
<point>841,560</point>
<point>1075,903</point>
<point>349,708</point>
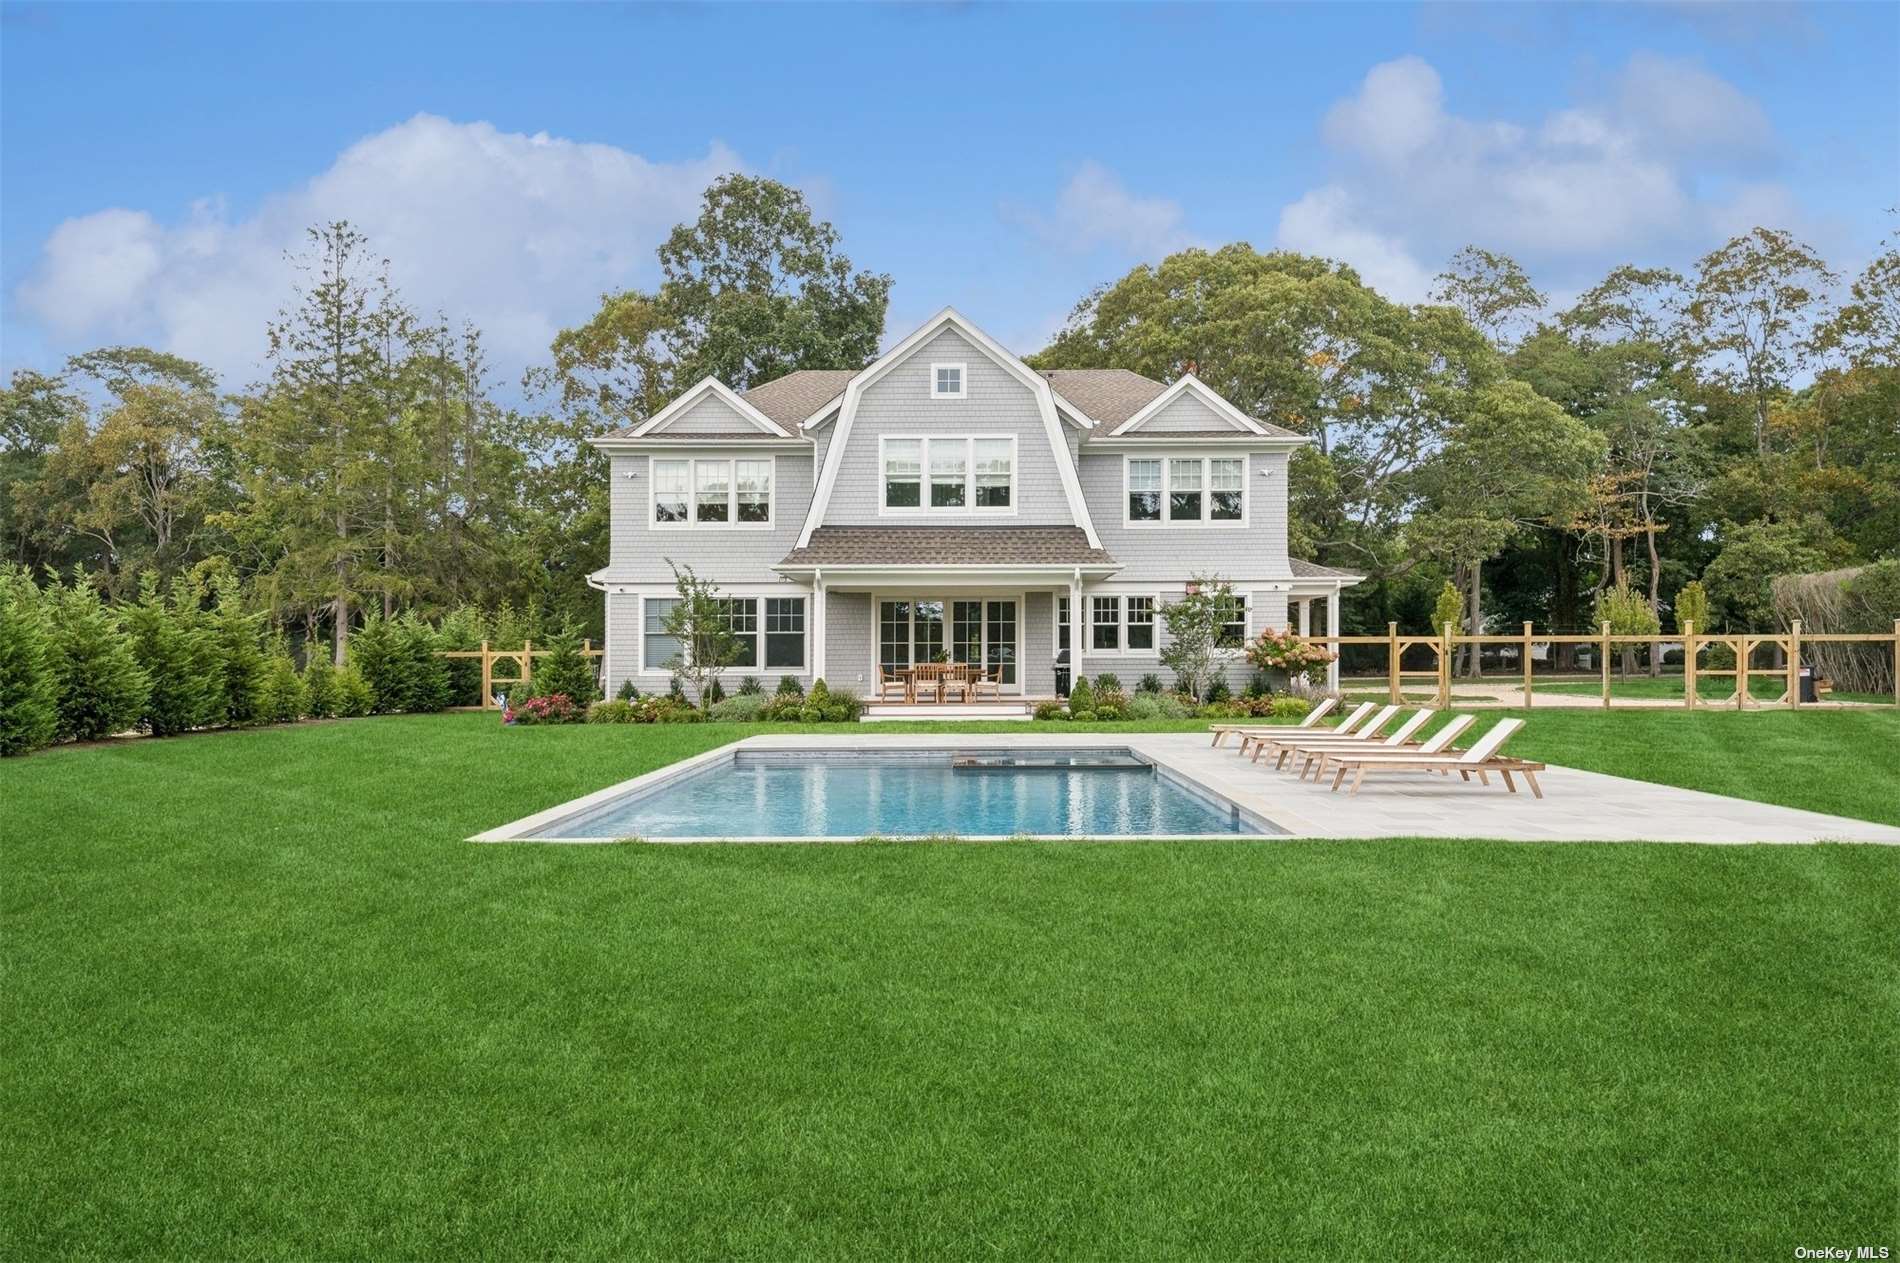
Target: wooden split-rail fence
<point>1737,679</point>
<point>521,669</point>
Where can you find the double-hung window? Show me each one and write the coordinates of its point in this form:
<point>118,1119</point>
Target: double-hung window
<point>948,474</point>
<point>768,631</point>
<point>706,491</point>
<point>785,632</point>
<point>1105,622</point>
<point>1185,489</point>
<point>658,648</point>
<point>1233,623</point>
<point>1140,611</point>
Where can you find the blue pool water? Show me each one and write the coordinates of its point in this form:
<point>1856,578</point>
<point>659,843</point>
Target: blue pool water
<point>969,793</point>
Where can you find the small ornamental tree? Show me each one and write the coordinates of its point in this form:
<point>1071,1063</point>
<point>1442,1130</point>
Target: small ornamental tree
<point>1692,607</point>
<point>29,705</point>
<point>566,670</point>
<point>1628,613</point>
<point>1194,632</point>
<point>1448,608</point>
<point>101,688</point>
<point>240,655</point>
<point>700,622</point>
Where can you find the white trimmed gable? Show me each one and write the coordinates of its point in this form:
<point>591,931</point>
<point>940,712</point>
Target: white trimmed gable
<point>708,408</point>
<point>1188,406</point>
<point>1002,396</point>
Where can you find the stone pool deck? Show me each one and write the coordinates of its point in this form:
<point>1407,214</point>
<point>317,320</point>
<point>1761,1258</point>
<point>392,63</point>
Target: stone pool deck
<point>1576,806</point>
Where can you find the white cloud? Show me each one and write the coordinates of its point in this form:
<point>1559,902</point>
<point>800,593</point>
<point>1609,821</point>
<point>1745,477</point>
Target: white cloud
<point>520,234</point>
<point>1594,182</point>
<point>1096,210</point>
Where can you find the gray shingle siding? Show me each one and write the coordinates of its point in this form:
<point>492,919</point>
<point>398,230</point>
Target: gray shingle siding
<point>725,554</point>
<point>1173,553</point>
<point>848,647</point>
<point>711,415</point>
<point>625,627</point>
<point>1265,609</point>
<point>996,403</point>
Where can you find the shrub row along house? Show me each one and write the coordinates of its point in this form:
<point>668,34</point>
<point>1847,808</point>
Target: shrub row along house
<point>949,503</point>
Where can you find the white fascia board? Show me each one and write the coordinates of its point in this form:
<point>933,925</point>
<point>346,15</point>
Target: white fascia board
<point>655,447</point>
<point>1204,392</point>
<point>705,386</point>
<point>1237,441</point>
<point>1038,386</point>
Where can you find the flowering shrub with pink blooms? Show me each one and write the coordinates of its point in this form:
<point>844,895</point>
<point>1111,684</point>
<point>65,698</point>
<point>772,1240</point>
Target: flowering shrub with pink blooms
<point>1289,652</point>
<point>555,708</point>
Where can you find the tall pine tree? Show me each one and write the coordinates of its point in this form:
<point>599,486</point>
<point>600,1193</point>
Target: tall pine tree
<point>29,710</point>
<point>101,688</point>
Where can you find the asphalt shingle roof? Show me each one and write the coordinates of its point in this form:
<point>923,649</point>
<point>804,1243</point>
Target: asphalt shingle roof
<point>788,400</point>
<point>1313,570</point>
<point>948,546</point>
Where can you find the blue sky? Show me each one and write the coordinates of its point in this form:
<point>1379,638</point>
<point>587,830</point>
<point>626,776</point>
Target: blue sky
<point>515,162</point>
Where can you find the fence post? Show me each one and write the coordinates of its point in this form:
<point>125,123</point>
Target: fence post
<point>488,677</point>
<point>1392,660</point>
<point>1794,663</point>
<point>1527,666</point>
<point>527,660</point>
<point>1605,664</point>
<point>1743,651</point>
<point>1444,670</point>
<point>1688,664</point>
<point>1896,662</point>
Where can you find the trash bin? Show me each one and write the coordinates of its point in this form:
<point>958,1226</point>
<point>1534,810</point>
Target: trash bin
<point>1062,673</point>
<point>1807,685</point>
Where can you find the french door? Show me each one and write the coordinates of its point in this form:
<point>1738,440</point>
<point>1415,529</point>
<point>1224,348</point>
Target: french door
<point>980,630</point>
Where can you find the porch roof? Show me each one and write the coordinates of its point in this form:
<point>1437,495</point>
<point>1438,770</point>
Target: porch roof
<point>933,547</point>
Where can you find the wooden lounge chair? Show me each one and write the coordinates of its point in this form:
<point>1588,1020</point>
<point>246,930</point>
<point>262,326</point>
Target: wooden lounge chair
<point>1482,758</point>
<point>1365,732</point>
<point>1312,717</point>
<point>1250,733</point>
<point>1434,744</point>
<point>1303,752</point>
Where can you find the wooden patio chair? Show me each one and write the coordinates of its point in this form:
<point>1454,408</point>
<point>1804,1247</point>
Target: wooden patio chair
<point>1365,732</point>
<point>1480,760</point>
<point>982,677</point>
<point>955,679</point>
<point>1302,753</point>
<point>1313,716</point>
<point>889,682</point>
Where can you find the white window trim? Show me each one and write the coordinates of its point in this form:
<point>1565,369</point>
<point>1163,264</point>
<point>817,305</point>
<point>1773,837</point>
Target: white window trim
<point>760,596</point>
<point>969,509</point>
<point>963,380</point>
<point>1122,649</point>
<point>1207,490</point>
<point>692,522</point>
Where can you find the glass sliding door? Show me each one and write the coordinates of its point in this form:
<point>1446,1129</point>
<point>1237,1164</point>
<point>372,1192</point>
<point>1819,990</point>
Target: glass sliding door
<point>979,632</point>
<point>893,634</point>
<point>927,631</point>
<point>966,631</point>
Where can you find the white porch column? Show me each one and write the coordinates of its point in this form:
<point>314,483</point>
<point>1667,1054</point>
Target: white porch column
<point>818,624</point>
<point>1078,638</point>
<point>1306,617</point>
<point>1332,629</point>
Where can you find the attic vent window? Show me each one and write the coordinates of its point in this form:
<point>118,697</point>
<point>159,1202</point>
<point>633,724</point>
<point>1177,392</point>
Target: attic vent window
<point>946,381</point>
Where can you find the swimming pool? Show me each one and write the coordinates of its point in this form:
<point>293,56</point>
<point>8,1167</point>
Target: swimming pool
<point>974,792</point>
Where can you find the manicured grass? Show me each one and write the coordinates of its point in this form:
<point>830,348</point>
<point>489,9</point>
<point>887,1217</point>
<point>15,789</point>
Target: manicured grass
<point>261,1000</point>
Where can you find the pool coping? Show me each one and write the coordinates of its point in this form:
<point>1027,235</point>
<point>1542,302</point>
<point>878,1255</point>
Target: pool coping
<point>1263,824</point>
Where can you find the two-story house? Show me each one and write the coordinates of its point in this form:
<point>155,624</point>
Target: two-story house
<point>950,503</point>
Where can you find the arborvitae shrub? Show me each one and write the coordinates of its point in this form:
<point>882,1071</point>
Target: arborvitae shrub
<point>207,656</point>
<point>240,655</point>
<point>29,705</point>
<point>788,686</point>
<point>430,687</point>
<point>750,685</point>
<point>179,660</point>
<point>100,686</point>
<point>353,695</point>
<point>379,656</point>
<point>319,682</point>
<point>1082,697</point>
<point>462,629</point>
<point>628,691</point>
<point>565,669</point>
<point>281,699</point>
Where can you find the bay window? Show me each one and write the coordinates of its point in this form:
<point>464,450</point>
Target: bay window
<point>946,474</point>
<point>704,491</point>
<point>1184,489</point>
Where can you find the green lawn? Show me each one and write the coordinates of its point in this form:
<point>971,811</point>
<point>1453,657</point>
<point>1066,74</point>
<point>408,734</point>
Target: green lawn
<point>261,1000</point>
